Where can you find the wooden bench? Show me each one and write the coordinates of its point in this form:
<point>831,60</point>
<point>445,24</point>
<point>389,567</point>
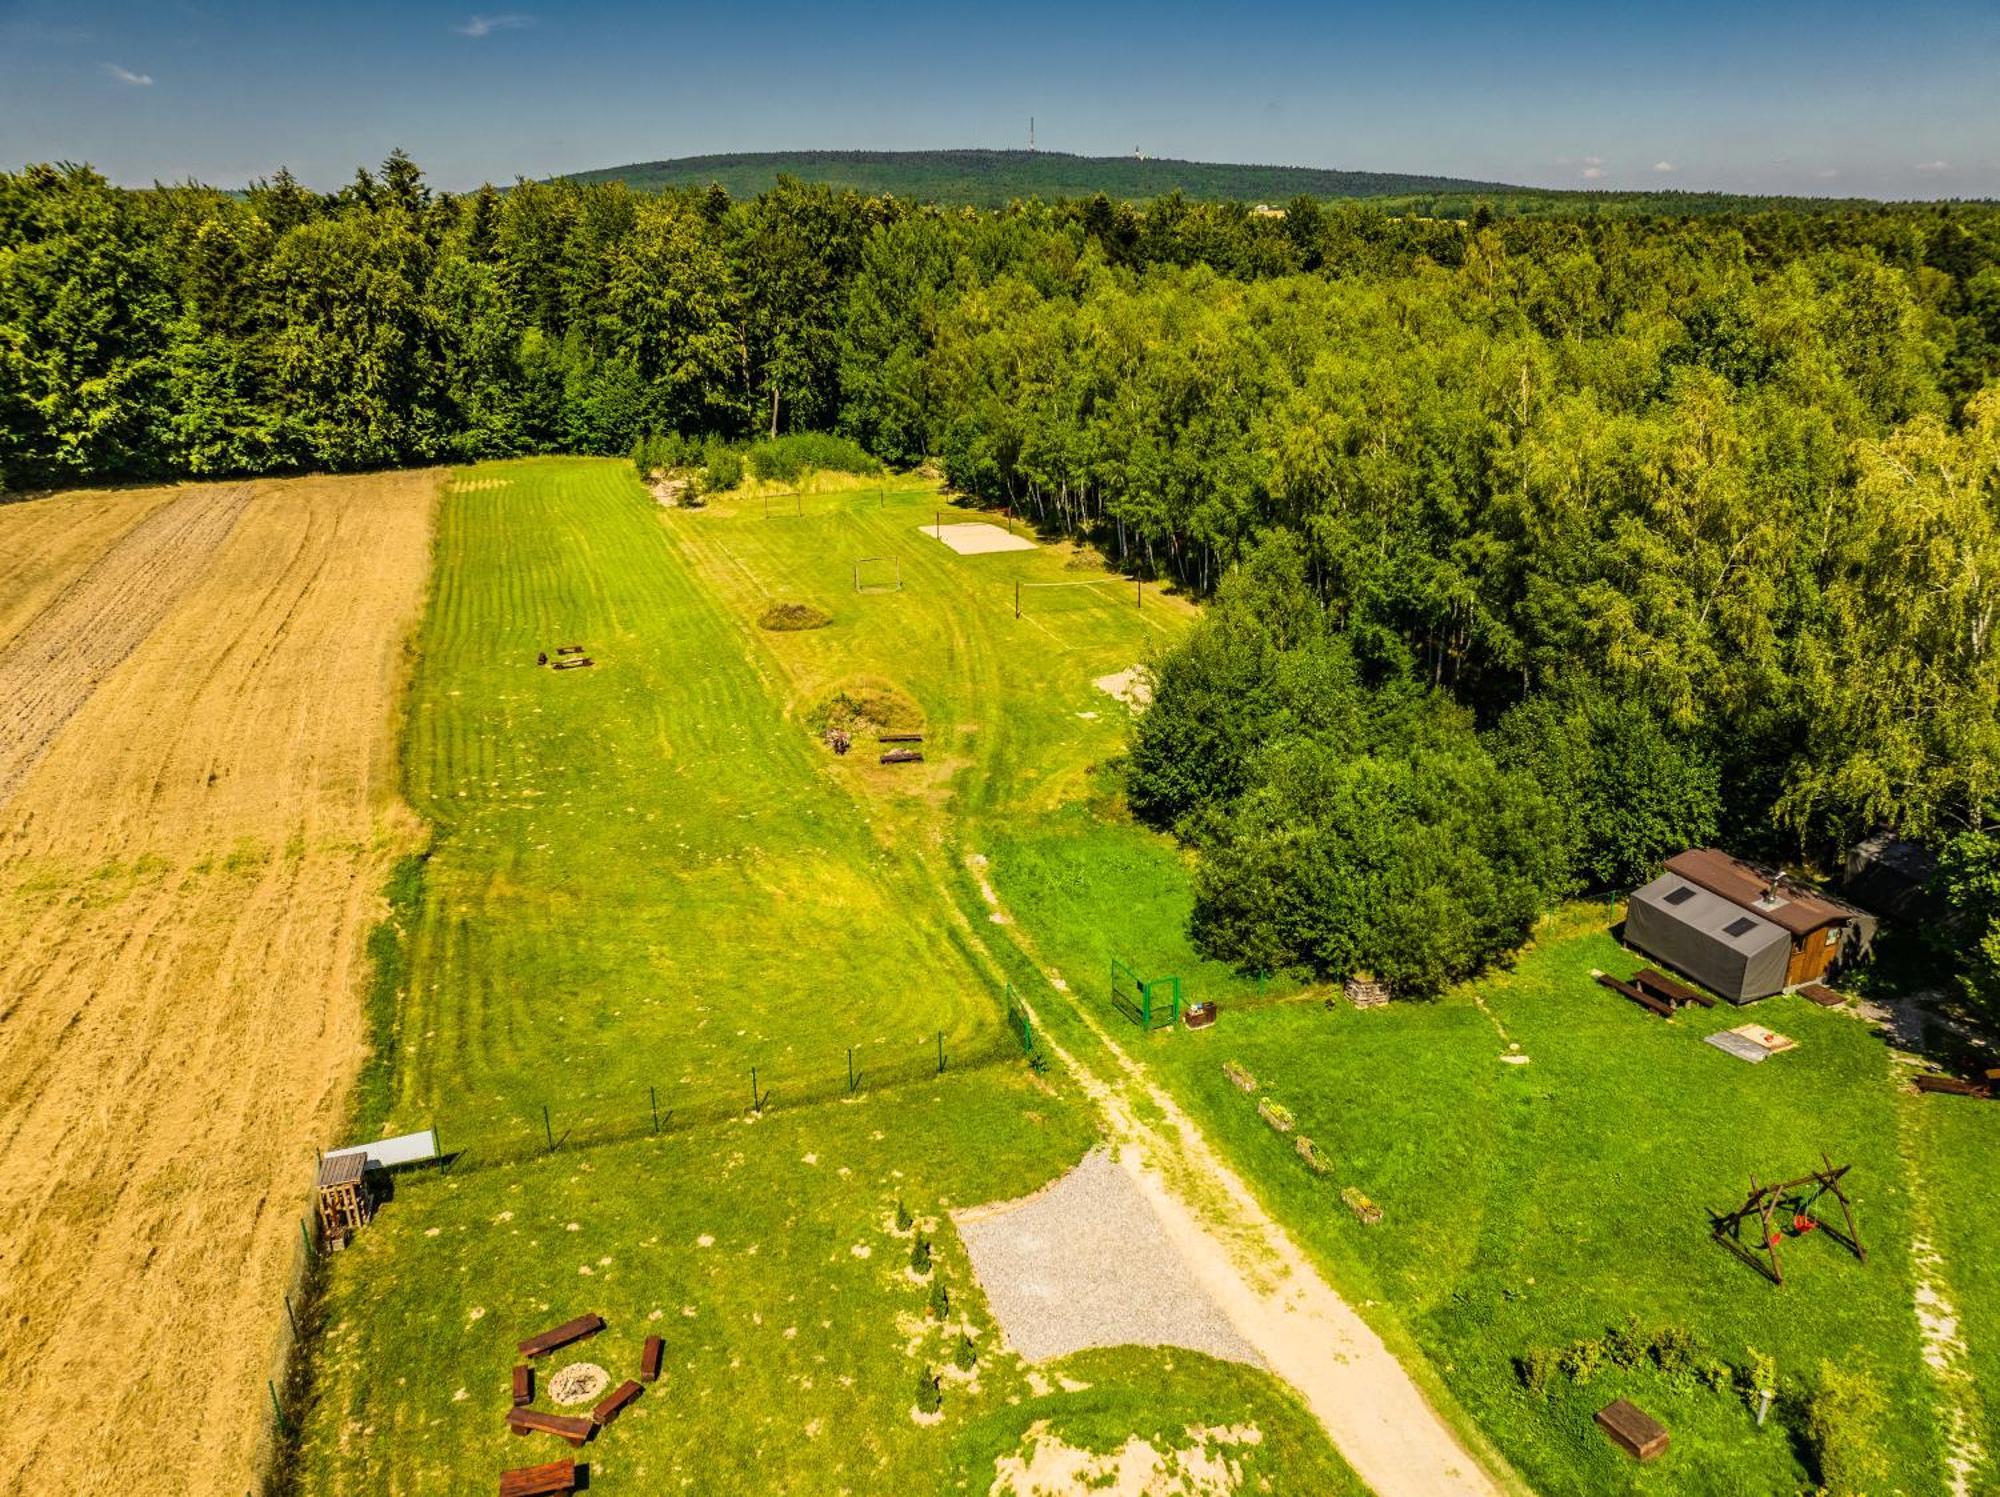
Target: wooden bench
<point>649,1359</point>
<point>1632,1430</point>
<point>899,738</point>
<point>609,1405</point>
<point>539,1481</point>
<point>1645,1000</point>
<point>569,649</point>
<point>1679,994</point>
<point>1820,993</point>
<point>574,663</point>
<point>1951,1086</point>
<point>902,756</point>
<point>524,1386</point>
<point>534,1422</point>
<point>562,1335</point>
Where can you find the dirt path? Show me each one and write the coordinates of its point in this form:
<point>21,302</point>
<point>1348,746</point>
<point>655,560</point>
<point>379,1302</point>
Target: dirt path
<point>1937,1320</point>
<point>1275,1297</point>
<point>189,864</point>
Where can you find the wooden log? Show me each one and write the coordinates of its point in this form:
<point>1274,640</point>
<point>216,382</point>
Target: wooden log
<point>1950,1086</point>
<point>649,1359</point>
<point>570,1427</point>
<point>524,1386</point>
<point>903,756</point>
<point>1632,1430</point>
<point>539,1481</point>
<point>562,1335</point>
<point>899,738</point>
<point>609,1405</point>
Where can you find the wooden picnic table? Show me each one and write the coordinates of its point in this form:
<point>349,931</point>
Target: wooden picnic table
<point>1679,994</point>
<point>649,1358</point>
<point>1645,1000</point>
<point>524,1386</point>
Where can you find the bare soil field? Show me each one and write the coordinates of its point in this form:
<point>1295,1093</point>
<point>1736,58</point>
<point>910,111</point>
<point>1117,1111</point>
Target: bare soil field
<point>45,543</point>
<point>190,860</point>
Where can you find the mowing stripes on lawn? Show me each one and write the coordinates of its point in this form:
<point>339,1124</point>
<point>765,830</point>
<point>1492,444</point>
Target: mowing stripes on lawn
<point>641,881</point>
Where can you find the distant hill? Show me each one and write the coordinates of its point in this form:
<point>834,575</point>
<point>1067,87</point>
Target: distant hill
<point>989,179</point>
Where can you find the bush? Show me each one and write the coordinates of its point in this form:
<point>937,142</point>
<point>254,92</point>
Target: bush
<point>789,618</point>
<point>965,1356</point>
<point>940,1300</point>
<point>789,458</point>
<point>724,468</point>
<point>904,1221</point>
<point>1537,1368</point>
<point>930,1398</point>
<point>920,1254</point>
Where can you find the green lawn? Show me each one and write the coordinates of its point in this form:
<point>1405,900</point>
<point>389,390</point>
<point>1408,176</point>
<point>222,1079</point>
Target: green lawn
<point>651,875</point>
<point>1537,1204</point>
<point>1959,1154</point>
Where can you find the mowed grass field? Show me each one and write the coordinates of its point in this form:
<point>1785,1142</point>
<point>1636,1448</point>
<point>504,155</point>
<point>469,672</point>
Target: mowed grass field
<point>651,875</point>
<point>1541,1203</point>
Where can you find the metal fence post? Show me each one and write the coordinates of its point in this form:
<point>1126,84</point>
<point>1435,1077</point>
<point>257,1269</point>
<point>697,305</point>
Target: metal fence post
<point>548,1128</point>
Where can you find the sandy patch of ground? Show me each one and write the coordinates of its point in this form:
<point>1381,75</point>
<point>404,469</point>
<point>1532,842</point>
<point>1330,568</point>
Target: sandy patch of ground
<point>188,870</point>
<point>1049,1466</point>
<point>1058,1269</point>
<point>1133,686</point>
<point>977,538</point>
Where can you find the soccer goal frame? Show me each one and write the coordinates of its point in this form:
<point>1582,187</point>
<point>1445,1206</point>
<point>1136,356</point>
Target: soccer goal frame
<point>1029,589</point>
<point>870,575</point>
<point>1151,1003</point>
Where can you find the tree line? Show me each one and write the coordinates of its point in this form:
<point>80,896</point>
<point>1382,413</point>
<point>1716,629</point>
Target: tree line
<point>1627,529</point>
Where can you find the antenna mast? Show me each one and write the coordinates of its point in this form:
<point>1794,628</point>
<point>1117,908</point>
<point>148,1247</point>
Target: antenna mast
<point>1031,135</point>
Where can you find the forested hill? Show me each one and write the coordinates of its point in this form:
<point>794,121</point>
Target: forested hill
<point>990,179</point>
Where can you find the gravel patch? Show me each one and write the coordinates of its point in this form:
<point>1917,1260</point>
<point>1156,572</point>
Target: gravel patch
<point>1086,1263</point>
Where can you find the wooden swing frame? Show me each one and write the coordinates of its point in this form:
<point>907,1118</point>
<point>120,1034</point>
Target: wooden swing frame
<point>1763,1204</point>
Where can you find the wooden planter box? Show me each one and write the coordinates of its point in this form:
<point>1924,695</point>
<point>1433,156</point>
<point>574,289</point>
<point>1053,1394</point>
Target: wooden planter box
<point>1317,1162</point>
<point>1364,991</point>
<point>1365,1211</point>
<point>1276,1115</point>
<point>1241,1079</point>
<point>1198,1015</point>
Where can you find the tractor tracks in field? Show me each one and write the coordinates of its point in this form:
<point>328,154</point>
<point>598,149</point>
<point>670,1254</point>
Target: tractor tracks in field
<point>1373,1411</point>
<point>57,660</point>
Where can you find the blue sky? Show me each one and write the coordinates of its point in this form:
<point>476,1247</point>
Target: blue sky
<point>1892,100</point>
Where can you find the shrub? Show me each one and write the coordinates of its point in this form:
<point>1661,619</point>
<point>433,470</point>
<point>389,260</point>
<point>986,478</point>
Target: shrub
<point>930,1398</point>
<point>787,459</point>
<point>940,1300</point>
<point>904,1221</point>
<point>1537,1368</point>
<point>789,618</point>
<point>1675,1351</point>
<point>920,1254</point>
<point>965,1356</point>
<point>1583,1360</point>
<point>724,465</point>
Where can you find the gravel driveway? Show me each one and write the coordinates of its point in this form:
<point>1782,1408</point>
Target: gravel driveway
<point>1086,1263</point>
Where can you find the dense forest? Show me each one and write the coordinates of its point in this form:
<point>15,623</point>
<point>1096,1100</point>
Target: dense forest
<point>1538,544</point>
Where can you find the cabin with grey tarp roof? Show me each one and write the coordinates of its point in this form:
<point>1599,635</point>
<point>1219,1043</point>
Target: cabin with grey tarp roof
<point>1739,930</point>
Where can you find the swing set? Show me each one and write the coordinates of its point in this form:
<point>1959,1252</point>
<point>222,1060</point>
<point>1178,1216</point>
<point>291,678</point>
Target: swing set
<point>1786,1209</point>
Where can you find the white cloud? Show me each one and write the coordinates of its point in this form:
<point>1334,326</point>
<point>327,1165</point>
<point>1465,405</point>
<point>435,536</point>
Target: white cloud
<point>126,75</point>
<point>1593,161</point>
<point>1933,166</point>
<point>1592,173</point>
<point>487,25</point>
<point>1827,173</point>
<point>1663,166</point>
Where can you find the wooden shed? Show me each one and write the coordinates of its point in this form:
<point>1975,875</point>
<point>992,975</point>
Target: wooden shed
<point>345,1203</point>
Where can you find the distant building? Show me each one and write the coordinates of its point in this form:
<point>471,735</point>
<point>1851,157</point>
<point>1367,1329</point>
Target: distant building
<point>1741,930</point>
<point>1892,874</point>
<point>1265,210</point>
